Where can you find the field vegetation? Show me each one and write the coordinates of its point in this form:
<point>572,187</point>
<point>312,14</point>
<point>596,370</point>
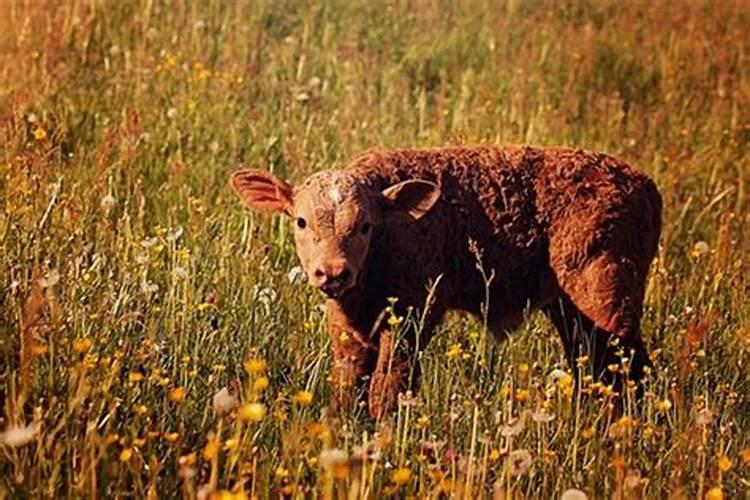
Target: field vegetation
<point>155,339</point>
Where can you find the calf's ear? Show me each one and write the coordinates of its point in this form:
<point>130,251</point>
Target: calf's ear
<point>262,191</point>
<point>408,200</point>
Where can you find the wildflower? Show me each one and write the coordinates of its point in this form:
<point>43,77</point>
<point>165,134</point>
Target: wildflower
<point>135,377</point>
<point>715,493</point>
<point>172,113</point>
<point>519,462</point>
<point>514,426</point>
<point>700,248</point>
<point>454,351</point>
<point>303,398</point>
<point>107,203</point>
<point>336,461</point>
<point>314,82</point>
<point>251,412</point>
<point>664,405</point>
<point>224,402</point>
<point>255,366</point>
<point>260,384</point>
<point>81,344</point>
<point>401,476</point>
<point>231,444</point>
<point>281,472</point>
<point>494,455</point>
<point>588,432</point>
<point>211,449</point>
<point>296,275</point>
<point>141,409</point>
<point>17,436</point>
<point>622,426</point>
<point>139,442</point>
<point>523,368</point>
<point>189,459</point>
<point>573,494</point>
<point>177,394</point>
<point>725,463</point>
<point>180,273</point>
<point>50,279</point>
<point>126,454</point>
<point>581,363</point>
<point>705,417</point>
<point>745,455</point>
<point>523,395</point>
<point>40,134</point>
<point>171,437</point>
<point>543,416</point>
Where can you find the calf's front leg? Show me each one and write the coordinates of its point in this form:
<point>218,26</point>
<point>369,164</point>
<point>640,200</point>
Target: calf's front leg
<point>394,373</point>
<point>353,360</point>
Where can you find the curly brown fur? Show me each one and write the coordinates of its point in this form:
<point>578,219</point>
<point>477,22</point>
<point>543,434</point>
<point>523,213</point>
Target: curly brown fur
<point>568,232</point>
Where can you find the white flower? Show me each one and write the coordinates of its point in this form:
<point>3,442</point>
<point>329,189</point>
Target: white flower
<point>214,147</point>
<point>314,82</point>
<point>556,375</point>
<point>514,426</point>
<point>266,296</point>
<point>519,462</point>
<point>333,457</point>
<point>302,97</point>
<point>32,118</point>
<point>296,275</point>
<point>224,402</point>
<point>51,279</point>
<point>574,494</point>
<point>175,234</point>
<point>180,272</point>
<point>17,436</point>
<point>543,416</point>
<point>705,417</point>
<point>108,202</point>
<point>149,242</point>
<point>172,113</point>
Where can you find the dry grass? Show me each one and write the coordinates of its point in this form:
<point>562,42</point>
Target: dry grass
<point>133,287</point>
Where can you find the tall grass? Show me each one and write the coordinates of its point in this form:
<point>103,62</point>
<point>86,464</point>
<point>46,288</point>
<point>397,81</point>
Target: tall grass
<point>133,287</point>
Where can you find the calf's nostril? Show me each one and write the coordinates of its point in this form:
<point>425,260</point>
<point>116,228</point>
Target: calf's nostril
<point>344,276</point>
<point>319,273</point>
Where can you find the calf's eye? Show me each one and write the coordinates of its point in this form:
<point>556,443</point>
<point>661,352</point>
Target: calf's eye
<point>301,223</point>
<point>365,228</point>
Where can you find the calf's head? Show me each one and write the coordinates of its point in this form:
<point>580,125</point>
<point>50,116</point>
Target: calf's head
<point>334,215</point>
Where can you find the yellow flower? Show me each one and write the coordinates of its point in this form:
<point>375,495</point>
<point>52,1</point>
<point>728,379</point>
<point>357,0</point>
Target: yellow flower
<point>454,351</point>
<point>211,449</point>
<point>126,454</point>
<point>177,394</point>
<point>81,344</point>
<point>523,368</point>
<point>255,366</point>
<point>664,405</point>
<point>401,476</point>
<point>588,432</point>
<point>231,444</point>
<point>745,455</point>
<point>494,455</point>
<point>40,134</point>
<point>251,412</point>
<point>725,463</point>
<point>303,398</point>
<point>189,459</point>
<point>171,437</point>
<point>281,472</point>
<point>523,395</point>
<point>141,409</point>
<point>38,349</point>
<point>715,493</point>
<point>139,442</point>
<point>260,384</point>
<point>135,377</point>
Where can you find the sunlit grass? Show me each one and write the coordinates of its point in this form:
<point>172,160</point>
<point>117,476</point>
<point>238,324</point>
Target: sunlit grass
<point>154,338</point>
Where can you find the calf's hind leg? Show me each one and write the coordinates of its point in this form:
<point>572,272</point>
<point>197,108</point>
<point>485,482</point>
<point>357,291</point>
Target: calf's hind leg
<point>603,299</point>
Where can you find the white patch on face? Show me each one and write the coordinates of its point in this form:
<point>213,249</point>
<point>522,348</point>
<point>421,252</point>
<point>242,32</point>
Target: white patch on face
<point>335,195</point>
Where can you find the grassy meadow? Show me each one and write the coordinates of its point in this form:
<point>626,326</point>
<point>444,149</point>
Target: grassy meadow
<point>154,341</point>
